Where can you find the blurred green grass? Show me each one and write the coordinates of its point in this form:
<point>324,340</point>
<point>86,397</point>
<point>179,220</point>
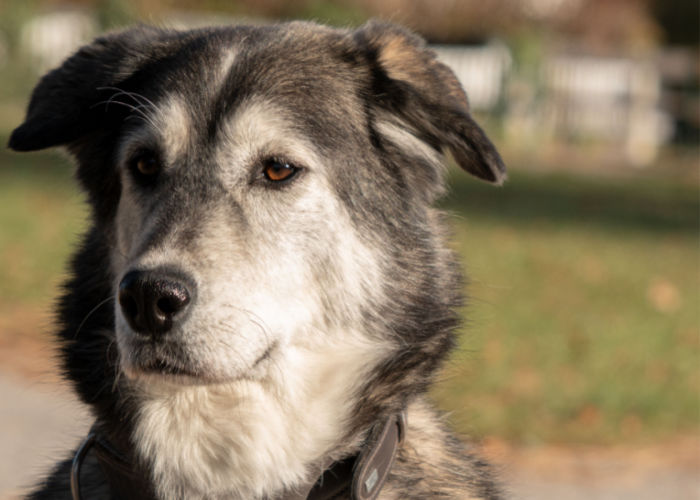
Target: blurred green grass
<point>41,216</point>
<point>583,324</point>
<point>583,319</point>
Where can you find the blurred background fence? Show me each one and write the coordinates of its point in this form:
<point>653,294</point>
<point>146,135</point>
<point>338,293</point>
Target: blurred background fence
<point>584,322</point>
<point>618,75</point>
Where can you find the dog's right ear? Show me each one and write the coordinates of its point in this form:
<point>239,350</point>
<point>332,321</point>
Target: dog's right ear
<point>62,106</point>
<point>410,82</point>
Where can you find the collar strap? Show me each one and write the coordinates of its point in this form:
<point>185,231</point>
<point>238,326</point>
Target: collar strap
<point>363,475</point>
<point>123,479</point>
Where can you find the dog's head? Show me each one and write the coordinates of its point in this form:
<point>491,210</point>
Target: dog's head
<point>261,202</point>
<point>260,187</point>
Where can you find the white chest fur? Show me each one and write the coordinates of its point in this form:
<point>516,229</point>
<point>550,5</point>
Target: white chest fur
<point>250,439</point>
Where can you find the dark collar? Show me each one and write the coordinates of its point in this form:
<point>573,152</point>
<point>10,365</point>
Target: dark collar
<point>362,475</point>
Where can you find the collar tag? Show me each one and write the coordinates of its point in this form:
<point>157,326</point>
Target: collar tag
<point>377,457</point>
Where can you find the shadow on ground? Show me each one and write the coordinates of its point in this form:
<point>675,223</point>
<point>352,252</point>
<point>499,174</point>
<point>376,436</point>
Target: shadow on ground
<point>660,205</point>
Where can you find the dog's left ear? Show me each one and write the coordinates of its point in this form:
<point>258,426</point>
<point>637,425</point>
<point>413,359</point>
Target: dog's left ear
<point>409,81</point>
<point>62,106</point>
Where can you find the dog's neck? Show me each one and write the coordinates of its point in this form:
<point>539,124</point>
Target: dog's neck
<point>362,476</point>
<point>252,439</point>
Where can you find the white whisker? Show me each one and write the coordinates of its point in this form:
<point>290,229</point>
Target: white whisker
<point>80,326</point>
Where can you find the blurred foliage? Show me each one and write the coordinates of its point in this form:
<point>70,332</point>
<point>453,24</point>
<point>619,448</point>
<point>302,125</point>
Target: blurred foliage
<point>13,16</point>
<point>115,13</point>
<point>600,22</point>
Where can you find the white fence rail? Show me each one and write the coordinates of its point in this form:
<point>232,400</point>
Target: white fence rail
<point>482,71</point>
<point>613,100</point>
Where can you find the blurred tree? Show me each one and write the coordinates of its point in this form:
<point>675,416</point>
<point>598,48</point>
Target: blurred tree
<point>613,26</point>
<point>599,24</point>
<point>13,15</point>
<point>114,13</point>
<point>679,20</point>
<point>447,21</point>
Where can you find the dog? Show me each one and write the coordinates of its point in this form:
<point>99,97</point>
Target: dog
<point>265,292</point>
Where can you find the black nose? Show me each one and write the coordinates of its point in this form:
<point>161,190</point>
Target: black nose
<point>153,301</point>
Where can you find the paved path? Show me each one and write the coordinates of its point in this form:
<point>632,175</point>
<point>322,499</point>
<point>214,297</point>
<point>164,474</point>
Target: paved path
<point>39,422</point>
<point>604,476</point>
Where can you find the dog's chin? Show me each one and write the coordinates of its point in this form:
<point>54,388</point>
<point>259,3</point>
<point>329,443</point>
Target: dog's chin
<point>161,370</point>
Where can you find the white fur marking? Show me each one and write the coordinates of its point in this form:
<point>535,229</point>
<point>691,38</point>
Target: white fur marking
<point>403,138</point>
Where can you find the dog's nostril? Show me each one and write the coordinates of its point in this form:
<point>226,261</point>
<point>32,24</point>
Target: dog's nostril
<point>174,301</point>
<point>128,303</point>
<point>129,299</point>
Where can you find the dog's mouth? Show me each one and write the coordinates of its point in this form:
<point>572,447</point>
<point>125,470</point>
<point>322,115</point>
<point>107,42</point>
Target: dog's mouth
<point>147,363</point>
<point>165,367</point>
<point>139,367</point>
<point>165,360</point>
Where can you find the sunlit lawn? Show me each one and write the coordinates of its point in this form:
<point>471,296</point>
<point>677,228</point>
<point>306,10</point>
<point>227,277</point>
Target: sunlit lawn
<point>583,322</point>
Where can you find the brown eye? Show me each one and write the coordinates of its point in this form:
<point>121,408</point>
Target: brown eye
<point>278,171</point>
<point>147,164</point>
<point>145,167</point>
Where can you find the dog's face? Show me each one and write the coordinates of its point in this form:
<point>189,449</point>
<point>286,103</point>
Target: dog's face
<point>251,180</point>
<point>243,222</point>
